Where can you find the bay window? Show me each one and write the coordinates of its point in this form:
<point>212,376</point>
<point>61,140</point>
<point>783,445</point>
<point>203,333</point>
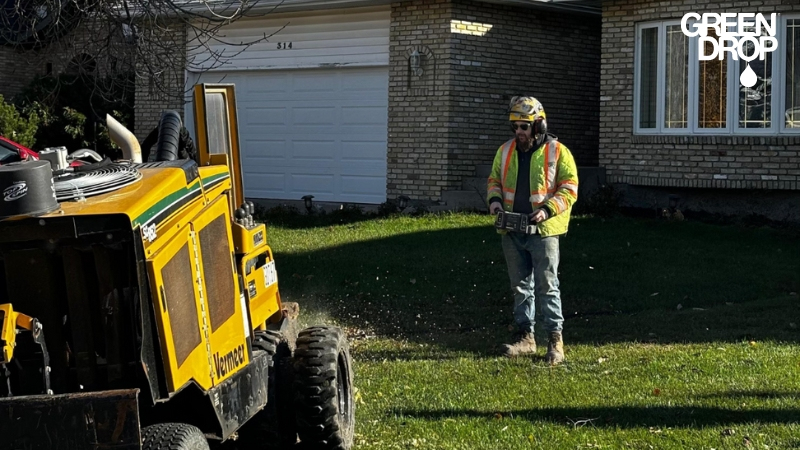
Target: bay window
<point>676,93</point>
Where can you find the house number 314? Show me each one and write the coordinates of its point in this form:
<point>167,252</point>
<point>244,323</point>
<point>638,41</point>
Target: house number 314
<point>284,45</point>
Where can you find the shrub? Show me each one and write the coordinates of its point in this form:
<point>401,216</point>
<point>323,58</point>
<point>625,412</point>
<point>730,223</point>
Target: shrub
<point>604,202</point>
<point>16,126</point>
<point>73,115</point>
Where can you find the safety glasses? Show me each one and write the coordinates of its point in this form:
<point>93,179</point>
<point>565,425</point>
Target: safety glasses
<point>524,126</point>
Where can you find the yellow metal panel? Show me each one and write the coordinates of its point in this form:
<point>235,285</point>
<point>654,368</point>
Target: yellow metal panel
<point>228,340</point>
<point>261,285</point>
<point>196,364</point>
<point>204,140</point>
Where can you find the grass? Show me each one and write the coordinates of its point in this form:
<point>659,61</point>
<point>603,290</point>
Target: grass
<point>678,334</point>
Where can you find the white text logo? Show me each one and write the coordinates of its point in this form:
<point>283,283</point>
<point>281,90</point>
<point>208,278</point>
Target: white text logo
<point>745,35</point>
<point>15,191</point>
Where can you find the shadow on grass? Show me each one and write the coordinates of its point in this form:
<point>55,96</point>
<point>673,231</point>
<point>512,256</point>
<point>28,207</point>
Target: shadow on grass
<point>621,280</point>
<point>762,395</point>
<point>624,416</point>
<point>293,218</point>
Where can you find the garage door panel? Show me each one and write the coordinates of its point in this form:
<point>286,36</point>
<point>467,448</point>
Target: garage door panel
<point>310,115</point>
<point>264,149</point>
<point>367,83</point>
<point>314,131</point>
<point>362,168</point>
<point>265,185</point>
<point>256,85</point>
<point>360,185</point>
<point>318,184</point>
<point>314,150</point>
<point>265,116</point>
<point>354,151</point>
<point>363,115</point>
<point>315,81</point>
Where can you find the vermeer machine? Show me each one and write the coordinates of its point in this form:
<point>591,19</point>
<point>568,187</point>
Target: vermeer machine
<point>139,305</point>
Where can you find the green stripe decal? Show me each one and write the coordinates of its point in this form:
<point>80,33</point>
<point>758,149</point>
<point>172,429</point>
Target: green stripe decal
<point>214,178</point>
<point>175,199</point>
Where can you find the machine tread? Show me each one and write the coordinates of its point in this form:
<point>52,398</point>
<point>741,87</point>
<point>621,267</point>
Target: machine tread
<point>173,436</point>
<point>323,381</point>
<point>274,427</point>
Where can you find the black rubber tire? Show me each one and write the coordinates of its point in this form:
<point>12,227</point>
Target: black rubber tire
<point>169,135</point>
<point>324,389</point>
<point>173,436</point>
<point>274,427</point>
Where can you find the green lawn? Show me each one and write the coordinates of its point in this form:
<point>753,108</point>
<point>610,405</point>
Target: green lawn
<point>678,334</point>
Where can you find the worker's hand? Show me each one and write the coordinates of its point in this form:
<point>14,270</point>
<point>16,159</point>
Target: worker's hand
<point>540,215</point>
<point>495,208</point>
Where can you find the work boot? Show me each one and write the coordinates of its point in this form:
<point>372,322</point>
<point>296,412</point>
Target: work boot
<point>555,349</point>
<point>522,344</point>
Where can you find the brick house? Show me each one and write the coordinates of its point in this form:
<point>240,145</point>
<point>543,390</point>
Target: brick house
<point>671,124</point>
<point>372,100</point>
<point>366,101</point>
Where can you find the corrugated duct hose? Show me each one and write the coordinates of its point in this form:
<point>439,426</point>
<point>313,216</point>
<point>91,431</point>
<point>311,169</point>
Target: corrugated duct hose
<point>171,139</point>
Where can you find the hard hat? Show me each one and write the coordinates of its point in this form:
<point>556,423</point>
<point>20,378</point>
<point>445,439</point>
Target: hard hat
<point>528,109</point>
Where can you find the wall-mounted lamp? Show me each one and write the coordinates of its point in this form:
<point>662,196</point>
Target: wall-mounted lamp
<point>415,63</point>
<point>308,202</point>
<point>403,201</point>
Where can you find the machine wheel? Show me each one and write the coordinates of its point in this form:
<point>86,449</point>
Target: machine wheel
<point>324,389</point>
<point>274,427</point>
<point>173,436</point>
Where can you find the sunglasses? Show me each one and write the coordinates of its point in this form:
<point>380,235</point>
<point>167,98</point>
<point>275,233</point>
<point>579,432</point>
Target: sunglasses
<point>524,126</point>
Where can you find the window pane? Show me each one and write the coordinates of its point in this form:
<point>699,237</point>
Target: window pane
<point>713,83</point>
<point>755,103</point>
<point>677,77</point>
<point>648,81</point>
<point>793,74</point>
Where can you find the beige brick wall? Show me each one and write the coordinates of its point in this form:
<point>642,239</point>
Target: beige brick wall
<point>161,86</point>
<point>681,161</point>
<point>553,56</point>
<point>437,138</point>
<point>18,66</point>
<point>17,69</point>
<point>418,139</point>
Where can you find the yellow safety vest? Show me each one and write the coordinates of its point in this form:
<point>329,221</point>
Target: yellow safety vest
<point>553,177</point>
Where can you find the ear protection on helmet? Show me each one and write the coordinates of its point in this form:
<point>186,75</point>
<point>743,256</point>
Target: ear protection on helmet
<point>540,126</point>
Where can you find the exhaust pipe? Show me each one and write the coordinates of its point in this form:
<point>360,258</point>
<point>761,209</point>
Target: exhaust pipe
<point>125,139</point>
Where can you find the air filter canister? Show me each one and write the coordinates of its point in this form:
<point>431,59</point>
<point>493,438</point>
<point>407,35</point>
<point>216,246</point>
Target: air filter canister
<point>27,189</point>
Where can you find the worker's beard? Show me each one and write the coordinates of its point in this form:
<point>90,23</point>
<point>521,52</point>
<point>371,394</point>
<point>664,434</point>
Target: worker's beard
<point>524,143</point>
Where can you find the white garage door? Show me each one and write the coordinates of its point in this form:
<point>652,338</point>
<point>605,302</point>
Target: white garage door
<point>312,117</point>
<point>320,132</point>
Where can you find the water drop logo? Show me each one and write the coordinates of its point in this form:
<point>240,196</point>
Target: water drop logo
<point>748,77</point>
<point>746,36</point>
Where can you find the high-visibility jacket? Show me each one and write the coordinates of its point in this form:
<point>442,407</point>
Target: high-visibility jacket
<point>554,182</point>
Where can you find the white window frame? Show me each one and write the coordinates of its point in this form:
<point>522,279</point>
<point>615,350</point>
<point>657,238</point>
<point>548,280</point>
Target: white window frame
<point>784,25</point>
<point>732,128</point>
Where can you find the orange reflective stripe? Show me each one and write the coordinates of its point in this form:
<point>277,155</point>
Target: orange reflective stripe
<point>562,203</point>
<point>508,150</point>
<point>569,186</point>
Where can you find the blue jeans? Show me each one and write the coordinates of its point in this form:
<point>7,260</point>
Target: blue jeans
<point>532,262</point>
